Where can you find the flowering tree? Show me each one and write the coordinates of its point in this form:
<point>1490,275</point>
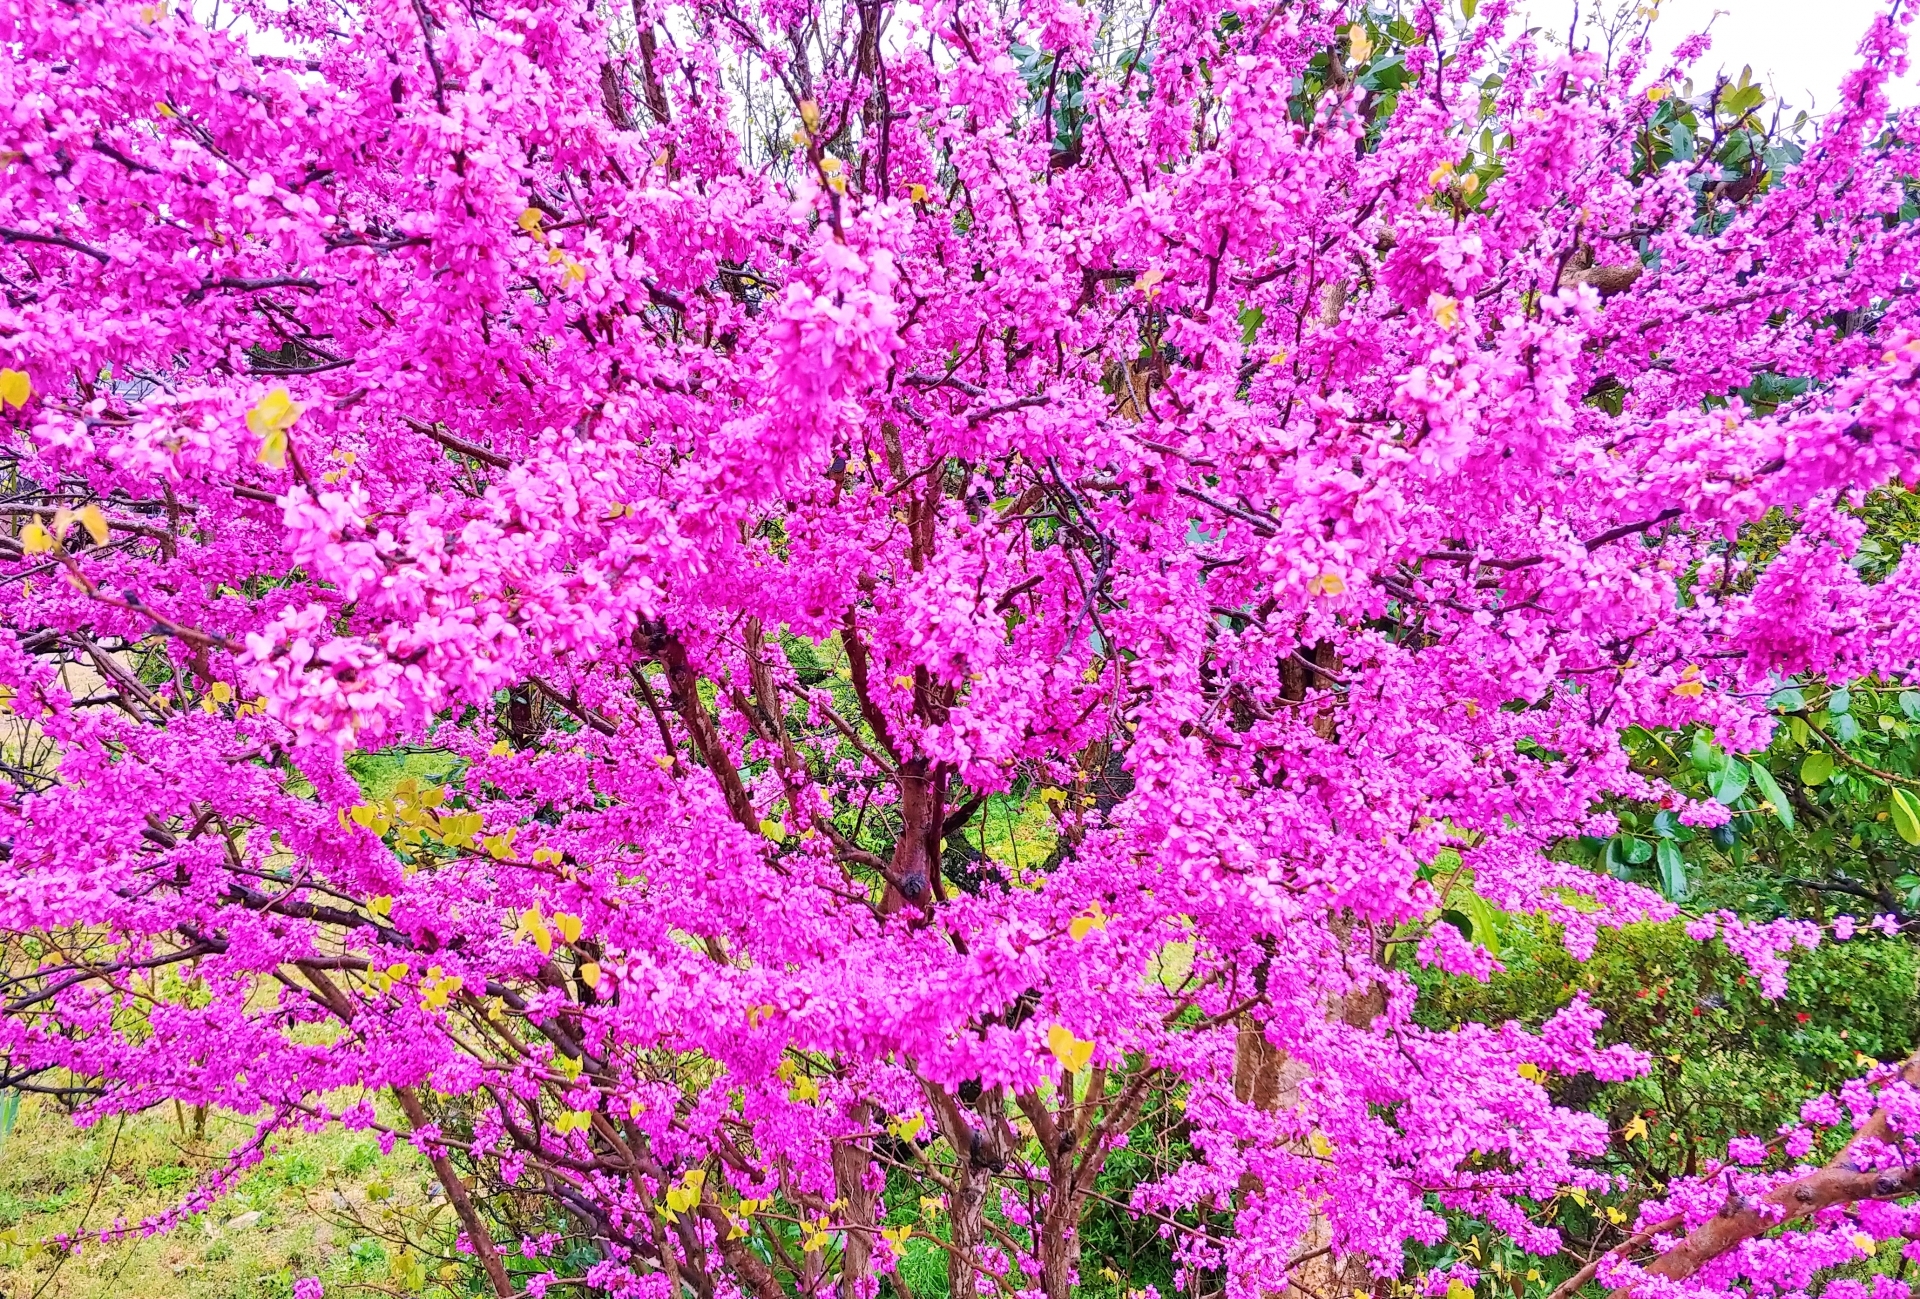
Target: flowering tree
<point>749,447</point>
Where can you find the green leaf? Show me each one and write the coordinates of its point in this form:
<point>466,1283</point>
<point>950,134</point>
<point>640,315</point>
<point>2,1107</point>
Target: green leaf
<point>1729,783</point>
<point>1770,790</point>
<point>1910,705</point>
<point>1673,870</point>
<point>1486,921</point>
<point>1906,815</point>
<point>1787,701</point>
<point>1468,8</point>
<point>1635,851</point>
<point>1816,768</point>
<point>1705,754</point>
<point>1250,321</point>
<point>1840,701</point>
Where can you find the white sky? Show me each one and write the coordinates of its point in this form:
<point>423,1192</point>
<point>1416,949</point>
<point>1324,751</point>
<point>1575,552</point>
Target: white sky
<point>1800,49</point>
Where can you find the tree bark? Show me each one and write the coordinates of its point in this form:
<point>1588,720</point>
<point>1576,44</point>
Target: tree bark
<point>457,1196</point>
<point>1840,1182</point>
<point>1267,1078</point>
<point>851,1161</point>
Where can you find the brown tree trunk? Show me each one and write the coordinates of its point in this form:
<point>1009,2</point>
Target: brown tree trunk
<point>851,1160</point>
<point>1840,1182</point>
<point>1059,1237</point>
<point>457,1196</point>
<point>343,1008</point>
<point>654,93</point>
<point>916,855</point>
<point>1267,1078</point>
<point>975,1152</point>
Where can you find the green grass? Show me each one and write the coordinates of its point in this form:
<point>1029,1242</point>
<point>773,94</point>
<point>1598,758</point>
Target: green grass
<point>327,1205</point>
<point>1014,832</point>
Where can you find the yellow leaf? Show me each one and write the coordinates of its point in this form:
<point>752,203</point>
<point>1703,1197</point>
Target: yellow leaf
<point>1360,48</point>
<point>590,974</point>
<point>1614,1215</point>
<point>1073,1054</point>
<point>35,540</point>
<point>500,845</point>
<point>918,193</point>
<point>458,830</point>
<point>908,1128</point>
<point>1318,1143</point>
<point>804,1089</point>
<point>567,926</point>
<point>442,991</point>
<point>664,759</point>
<point>810,114</point>
<point>500,749</point>
<point>380,906</point>
<point>1635,1129</point>
<point>1579,1196</point>
<point>1656,93</point>
<point>95,522</point>
<point>222,692</point>
<point>273,449</point>
<point>276,410</point>
<point>1087,921</point>
<point>1530,1071</point>
<point>1865,1244</point>
<point>396,971</point>
<point>774,831</point>
<point>1051,795</point>
<point>530,220</point>
<point>15,388</point>
<point>1150,277</point>
<point>1458,1289</point>
<point>904,682</point>
<point>535,928</point>
<point>1690,689</point>
<point>1328,583</point>
<point>1446,312</point>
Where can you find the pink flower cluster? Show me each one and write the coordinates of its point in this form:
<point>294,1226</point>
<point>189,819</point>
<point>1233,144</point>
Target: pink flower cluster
<point>536,540</point>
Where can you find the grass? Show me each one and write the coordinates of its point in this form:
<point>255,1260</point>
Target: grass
<point>327,1205</point>
<point>1017,833</point>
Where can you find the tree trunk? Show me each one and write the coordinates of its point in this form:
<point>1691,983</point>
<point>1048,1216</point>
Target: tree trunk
<point>1267,1078</point>
<point>851,1161</point>
<point>457,1196</point>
